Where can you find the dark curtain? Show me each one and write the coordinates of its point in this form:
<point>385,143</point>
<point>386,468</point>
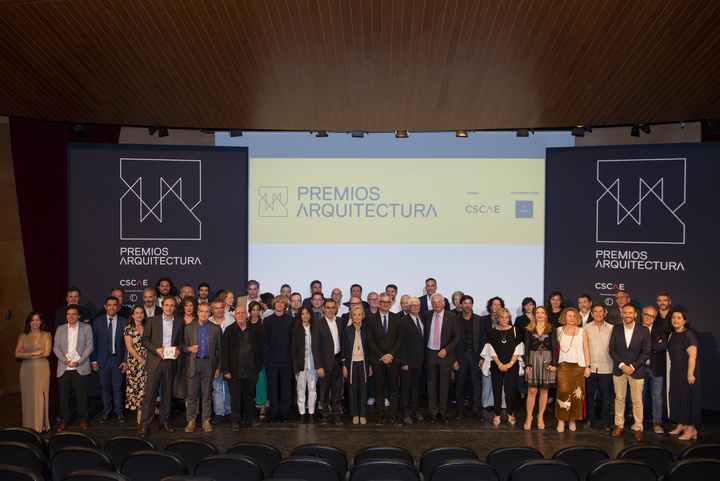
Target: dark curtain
<point>39,152</point>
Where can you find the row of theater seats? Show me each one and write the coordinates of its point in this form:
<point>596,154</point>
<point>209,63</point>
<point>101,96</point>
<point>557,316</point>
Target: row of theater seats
<point>75,456</point>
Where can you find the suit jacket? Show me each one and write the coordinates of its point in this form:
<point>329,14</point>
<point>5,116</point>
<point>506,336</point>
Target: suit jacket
<point>157,311</point>
<point>124,311</point>
<point>100,342</point>
<point>479,335</point>
<point>658,347</point>
<point>230,350</point>
<point>413,350</point>
<point>84,348</point>
<point>449,334</point>
<point>190,339</point>
<point>381,343</point>
<point>298,348</point>
<point>152,339</point>
<point>635,355</point>
<point>61,316</point>
<point>426,304</point>
<point>277,338</point>
<point>322,342</point>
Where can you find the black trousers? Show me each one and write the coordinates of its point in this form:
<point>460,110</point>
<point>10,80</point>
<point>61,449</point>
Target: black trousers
<point>469,370</point>
<point>70,382</point>
<point>410,389</point>
<point>386,374</point>
<point>242,399</point>
<point>509,379</point>
<point>279,387</point>
<point>358,389</point>
<point>437,368</point>
<point>160,379</point>
<point>331,383</point>
<point>604,383</point>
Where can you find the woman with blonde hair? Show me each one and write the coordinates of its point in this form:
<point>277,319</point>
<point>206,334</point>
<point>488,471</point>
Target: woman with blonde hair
<point>506,343</point>
<point>573,368</point>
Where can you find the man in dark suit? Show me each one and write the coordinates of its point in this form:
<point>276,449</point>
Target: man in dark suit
<point>202,344</point>
<point>123,310</point>
<point>73,299</point>
<point>277,339</point>
<point>356,291</point>
<point>425,301</point>
<point>442,334</point>
<point>354,302</point>
<point>629,349</point>
<point>385,340</point>
<point>655,367</point>
<point>160,332</point>
<point>109,357</point>
<point>326,342</point>
<point>149,303</point>
<point>467,355</point>
<point>413,357</point>
<point>315,286</point>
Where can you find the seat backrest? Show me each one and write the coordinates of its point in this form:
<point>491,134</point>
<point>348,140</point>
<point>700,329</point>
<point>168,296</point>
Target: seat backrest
<point>693,469</point>
<point>536,469</point>
<point>705,450</point>
<point>18,473</point>
<point>152,466</point>
<point>266,455</point>
<point>374,469</point>
<point>382,452</point>
<point>70,438</point>
<point>505,459</point>
<point>458,469</point>
<point>191,451</point>
<point>307,468</point>
<point>621,469</point>
<point>657,457</point>
<point>94,475</point>
<point>335,455</point>
<point>13,453</point>
<point>120,447</point>
<point>229,467</point>
<point>73,458</point>
<point>581,458</point>
<point>24,435</point>
<point>435,456</point>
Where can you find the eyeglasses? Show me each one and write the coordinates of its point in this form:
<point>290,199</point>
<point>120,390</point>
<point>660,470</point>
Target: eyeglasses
<point>649,315</point>
<point>622,297</point>
<point>371,299</point>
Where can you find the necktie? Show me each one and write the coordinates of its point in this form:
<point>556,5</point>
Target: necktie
<point>436,332</point>
<point>417,321</point>
<point>111,332</point>
<point>385,323</point>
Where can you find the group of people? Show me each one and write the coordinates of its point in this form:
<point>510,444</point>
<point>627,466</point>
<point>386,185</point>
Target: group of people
<point>235,354</point>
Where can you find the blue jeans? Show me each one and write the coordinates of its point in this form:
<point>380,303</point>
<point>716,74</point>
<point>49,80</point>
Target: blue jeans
<point>221,396</point>
<point>652,393</point>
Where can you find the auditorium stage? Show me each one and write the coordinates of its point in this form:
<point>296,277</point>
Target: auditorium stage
<point>480,437</point>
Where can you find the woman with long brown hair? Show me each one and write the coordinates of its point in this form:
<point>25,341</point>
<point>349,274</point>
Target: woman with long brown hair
<point>540,365</point>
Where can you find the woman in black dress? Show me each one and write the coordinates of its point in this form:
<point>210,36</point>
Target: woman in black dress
<point>540,363</point>
<point>556,305</point>
<point>683,383</point>
<point>505,341</point>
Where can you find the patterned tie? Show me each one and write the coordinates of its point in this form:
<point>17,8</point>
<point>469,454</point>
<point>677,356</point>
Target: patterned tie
<point>436,332</point>
<point>385,323</point>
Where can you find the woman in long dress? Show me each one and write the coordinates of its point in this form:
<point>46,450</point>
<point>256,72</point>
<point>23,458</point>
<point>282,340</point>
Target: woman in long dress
<point>540,364</point>
<point>135,371</point>
<point>573,368</point>
<point>683,378</point>
<point>33,347</point>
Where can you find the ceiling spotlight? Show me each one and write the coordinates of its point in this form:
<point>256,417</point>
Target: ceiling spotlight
<point>635,130</point>
<point>77,129</point>
<point>236,133</point>
<point>401,134</point>
<point>645,128</point>
<point>523,133</point>
<point>682,125</point>
<point>461,133</point>
<point>162,132</point>
<point>358,135</point>
<point>152,130</point>
<point>321,133</point>
<point>578,131</point>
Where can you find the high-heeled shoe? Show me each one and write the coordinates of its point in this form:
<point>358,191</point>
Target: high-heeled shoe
<point>496,420</point>
<point>678,430</point>
<point>512,420</point>
<point>541,424</point>
<point>528,423</point>
<point>571,426</point>
<point>689,434</point>
<point>561,426</point>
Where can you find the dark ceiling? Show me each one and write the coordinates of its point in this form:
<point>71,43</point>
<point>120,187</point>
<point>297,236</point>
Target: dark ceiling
<point>367,65</point>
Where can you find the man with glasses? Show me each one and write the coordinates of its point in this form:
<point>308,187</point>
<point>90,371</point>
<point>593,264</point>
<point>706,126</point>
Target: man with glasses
<point>655,367</point>
<point>622,298</point>
<point>326,334</point>
<point>354,302</point>
<point>372,300</point>
<point>337,296</point>
<point>295,303</point>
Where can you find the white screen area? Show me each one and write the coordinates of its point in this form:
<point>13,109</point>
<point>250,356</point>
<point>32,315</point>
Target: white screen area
<point>379,210</point>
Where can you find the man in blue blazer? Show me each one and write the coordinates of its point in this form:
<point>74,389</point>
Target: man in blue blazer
<point>109,359</point>
<point>629,349</point>
<point>73,346</point>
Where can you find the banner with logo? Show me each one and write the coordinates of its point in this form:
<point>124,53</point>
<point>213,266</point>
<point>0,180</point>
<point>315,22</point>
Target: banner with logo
<point>639,219</point>
<point>137,213</point>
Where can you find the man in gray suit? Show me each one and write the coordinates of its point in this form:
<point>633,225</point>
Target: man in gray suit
<point>202,343</point>
<point>73,345</point>
<point>160,332</point>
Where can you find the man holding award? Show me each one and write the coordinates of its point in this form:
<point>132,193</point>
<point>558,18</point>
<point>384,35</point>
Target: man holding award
<point>161,338</point>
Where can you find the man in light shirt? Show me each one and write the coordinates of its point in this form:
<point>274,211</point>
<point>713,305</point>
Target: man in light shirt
<point>326,341</point>
<point>601,364</point>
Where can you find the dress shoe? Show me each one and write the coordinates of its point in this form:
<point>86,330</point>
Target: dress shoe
<point>325,420</point>
<point>338,420</point>
<point>616,432</point>
<point>418,416</point>
<point>61,427</point>
<point>311,419</point>
<point>166,427</point>
<point>121,418</point>
<point>657,427</point>
<point>587,424</point>
<point>638,435</point>
<point>407,420</point>
<point>217,419</point>
<point>284,417</point>
<point>396,421</point>
<point>480,417</point>
<point>460,415</point>
<point>84,425</point>
<point>190,426</point>
<point>207,427</point>
<point>380,420</point>
<point>303,418</point>
<point>443,417</point>
<point>144,432</point>
<point>104,418</point>
<point>236,427</point>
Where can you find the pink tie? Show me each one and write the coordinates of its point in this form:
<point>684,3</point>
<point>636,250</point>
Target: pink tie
<point>436,332</point>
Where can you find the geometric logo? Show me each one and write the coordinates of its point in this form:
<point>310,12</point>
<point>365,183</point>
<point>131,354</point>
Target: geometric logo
<point>273,202</point>
<point>640,201</point>
<point>160,200</point>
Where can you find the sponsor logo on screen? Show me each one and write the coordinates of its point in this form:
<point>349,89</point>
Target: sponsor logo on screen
<point>641,201</point>
<point>161,199</point>
<point>523,209</point>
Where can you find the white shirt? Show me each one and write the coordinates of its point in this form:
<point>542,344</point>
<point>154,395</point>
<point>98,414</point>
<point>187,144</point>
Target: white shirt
<point>628,334</point>
<point>342,309</point>
<point>309,361</point>
<point>584,318</point>
<point>395,307</point>
<point>167,331</point>
<point>227,320</point>
<point>334,332</point>
<point>72,342</point>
